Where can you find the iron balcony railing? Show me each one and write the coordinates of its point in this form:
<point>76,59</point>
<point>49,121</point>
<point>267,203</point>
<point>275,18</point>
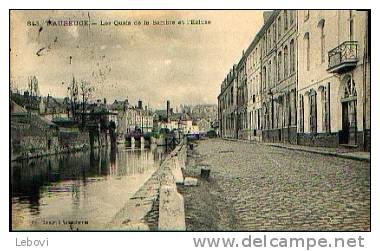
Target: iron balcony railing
<point>344,54</point>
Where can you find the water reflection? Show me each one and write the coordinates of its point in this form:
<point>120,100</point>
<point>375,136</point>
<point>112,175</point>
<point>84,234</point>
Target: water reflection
<point>87,186</point>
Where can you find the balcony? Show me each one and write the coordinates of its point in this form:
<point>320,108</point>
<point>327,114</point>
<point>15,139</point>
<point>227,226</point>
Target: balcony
<point>344,57</point>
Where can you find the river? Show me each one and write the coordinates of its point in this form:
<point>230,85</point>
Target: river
<point>84,188</point>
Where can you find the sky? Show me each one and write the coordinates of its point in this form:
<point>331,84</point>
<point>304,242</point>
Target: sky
<point>182,63</point>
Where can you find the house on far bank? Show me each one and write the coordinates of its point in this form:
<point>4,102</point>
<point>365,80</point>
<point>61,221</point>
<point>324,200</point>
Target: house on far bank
<point>30,133</point>
<point>52,108</point>
<point>204,125</point>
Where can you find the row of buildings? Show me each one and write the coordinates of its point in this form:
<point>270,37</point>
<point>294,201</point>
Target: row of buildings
<point>304,79</point>
<point>188,119</point>
<point>130,118</point>
<point>126,117</point>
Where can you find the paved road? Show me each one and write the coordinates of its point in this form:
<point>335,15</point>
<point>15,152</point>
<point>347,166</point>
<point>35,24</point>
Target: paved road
<point>259,187</point>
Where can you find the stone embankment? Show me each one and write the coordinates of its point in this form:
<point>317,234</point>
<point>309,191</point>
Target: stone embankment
<point>157,205</point>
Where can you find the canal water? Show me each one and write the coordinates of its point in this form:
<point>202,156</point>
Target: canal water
<point>79,191</point>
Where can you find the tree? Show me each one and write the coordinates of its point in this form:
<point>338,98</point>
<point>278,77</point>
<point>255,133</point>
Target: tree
<point>72,92</point>
<point>32,92</point>
<point>13,87</point>
<point>33,86</point>
<point>85,91</point>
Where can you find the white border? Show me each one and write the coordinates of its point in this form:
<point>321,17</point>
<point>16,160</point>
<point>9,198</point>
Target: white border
<point>169,241</point>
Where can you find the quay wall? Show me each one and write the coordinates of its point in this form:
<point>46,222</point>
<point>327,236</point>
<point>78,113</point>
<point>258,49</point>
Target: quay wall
<point>35,139</point>
<point>158,203</point>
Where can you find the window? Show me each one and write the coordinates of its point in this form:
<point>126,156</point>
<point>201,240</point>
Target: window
<point>264,78</point>
<point>293,107</point>
<point>285,61</point>
<point>325,109</point>
<point>351,26</point>
<point>250,120</point>
<point>276,115</point>
<point>285,19</point>
<point>321,26</point>
<point>269,40</point>
<point>264,45</point>
<point>288,110</point>
<point>292,57</point>
<point>313,111</point>
<point>350,89</point>
<point>266,117</point>
<point>279,67</point>
<point>291,12</point>
<point>301,121</point>
<point>232,96</point>
<point>258,90</point>
<point>350,94</point>
<point>279,26</point>
<point>307,48</point>
<point>253,87</point>
<point>306,15</point>
<point>256,56</point>
<point>269,73</point>
<point>258,119</point>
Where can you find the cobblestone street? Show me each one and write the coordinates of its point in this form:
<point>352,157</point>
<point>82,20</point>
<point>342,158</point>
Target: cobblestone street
<point>254,186</point>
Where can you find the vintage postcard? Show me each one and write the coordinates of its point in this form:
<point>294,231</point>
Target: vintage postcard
<point>190,120</point>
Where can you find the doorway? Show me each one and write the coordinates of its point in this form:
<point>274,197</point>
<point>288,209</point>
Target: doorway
<point>349,125</point>
<point>345,123</point>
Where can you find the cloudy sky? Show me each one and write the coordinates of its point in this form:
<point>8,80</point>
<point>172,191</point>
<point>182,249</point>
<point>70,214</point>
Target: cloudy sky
<point>182,63</point>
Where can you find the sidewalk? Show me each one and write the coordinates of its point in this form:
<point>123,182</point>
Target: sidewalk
<point>336,152</point>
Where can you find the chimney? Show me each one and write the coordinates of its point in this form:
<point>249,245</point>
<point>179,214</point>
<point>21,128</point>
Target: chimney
<point>140,104</point>
<point>167,109</point>
<point>266,15</point>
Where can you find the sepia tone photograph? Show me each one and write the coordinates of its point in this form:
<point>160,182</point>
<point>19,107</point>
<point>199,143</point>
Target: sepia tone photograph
<point>190,120</point>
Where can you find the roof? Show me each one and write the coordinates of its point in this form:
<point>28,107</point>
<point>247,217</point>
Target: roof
<point>161,113</point>
<point>48,122</point>
<point>15,108</point>
<point>64,122</point>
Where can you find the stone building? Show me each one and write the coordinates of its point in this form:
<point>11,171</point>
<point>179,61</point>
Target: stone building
<point>137,119</point>
<point>130,119</point>
<point>279,80</point>
<point>268,74</point>
<point>242,99</point>
<point>305,80</point>
<point>51,108</point>
<point>201,111</point>
<point>333,84</point>
<point>253,68</point>
<point>204,125</point>
<point>227,105</point>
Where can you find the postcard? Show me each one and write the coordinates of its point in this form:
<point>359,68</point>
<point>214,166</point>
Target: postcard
<point>190,120</point>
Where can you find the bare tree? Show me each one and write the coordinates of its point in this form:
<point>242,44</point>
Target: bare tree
<point>33,86</point>
<point>85,91</point>
<point>13,87</point>
<point>33,91</point>
<point>72,92</point>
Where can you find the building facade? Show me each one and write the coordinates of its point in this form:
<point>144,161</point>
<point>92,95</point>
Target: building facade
<point>305,80</point>
<point>227,104</point>
<point>279,79</point>
<point>242,101</point>
<point>253,68</point>
<point>134,118</point>
<point>333,85</point>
